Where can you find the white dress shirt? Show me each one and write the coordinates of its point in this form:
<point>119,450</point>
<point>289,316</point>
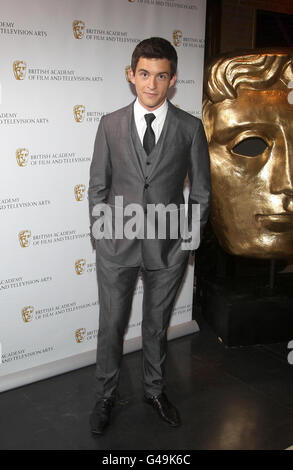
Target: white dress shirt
<point>157,124</point>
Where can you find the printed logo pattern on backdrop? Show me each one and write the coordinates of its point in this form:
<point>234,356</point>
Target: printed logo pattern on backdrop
<point>58,78</point>
<point>22,156</point>
<point>79,192</point>
<point>127,69</point>
<point>27,313</point>
<point>177,37</point>
<point>78,29</point>
<point>19,69</point>
<point>79,112</point>
<point>80,266</point>
<point>24,238</point>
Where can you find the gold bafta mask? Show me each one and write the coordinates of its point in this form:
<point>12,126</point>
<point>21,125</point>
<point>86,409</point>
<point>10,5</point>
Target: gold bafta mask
<point>177,37</point>
<point>249,125</point>
<point>27,313</point>
<point>24,238</point>
<point>79,192</point>
<point>80,266</point>
<point>79,112</point>
<point>78,29</point>
<point>19,69</point>
<point>79,335</point>
<point>22,156</point>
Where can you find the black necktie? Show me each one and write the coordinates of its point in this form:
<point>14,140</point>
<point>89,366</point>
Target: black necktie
<point>149,139</point>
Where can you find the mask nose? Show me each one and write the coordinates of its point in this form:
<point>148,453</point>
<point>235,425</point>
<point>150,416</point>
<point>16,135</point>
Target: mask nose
<point>282,167</point>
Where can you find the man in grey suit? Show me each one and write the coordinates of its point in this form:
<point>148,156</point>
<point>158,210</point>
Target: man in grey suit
<point>142,155</point>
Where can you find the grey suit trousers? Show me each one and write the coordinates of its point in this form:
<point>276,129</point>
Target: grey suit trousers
<point>116,287</point>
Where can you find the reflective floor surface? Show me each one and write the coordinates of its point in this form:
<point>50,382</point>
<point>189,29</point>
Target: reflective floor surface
<point>229,398</point>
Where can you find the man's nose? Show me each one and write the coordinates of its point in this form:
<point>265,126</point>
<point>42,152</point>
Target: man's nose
<point>282,166</point>
<point>152,82</point>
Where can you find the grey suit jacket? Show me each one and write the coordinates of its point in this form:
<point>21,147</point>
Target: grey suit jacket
<point>120,167</point>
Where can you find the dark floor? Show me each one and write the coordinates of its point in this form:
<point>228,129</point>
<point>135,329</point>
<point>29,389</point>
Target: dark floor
<point>229,398</point>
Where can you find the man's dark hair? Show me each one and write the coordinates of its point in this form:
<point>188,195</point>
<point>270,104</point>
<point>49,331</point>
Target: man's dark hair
<point>155,48</point>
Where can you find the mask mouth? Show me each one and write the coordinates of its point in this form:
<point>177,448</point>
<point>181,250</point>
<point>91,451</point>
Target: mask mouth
<point>276,222</point>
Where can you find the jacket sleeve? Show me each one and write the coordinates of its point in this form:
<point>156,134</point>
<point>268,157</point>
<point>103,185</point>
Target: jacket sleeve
<point>100,172</point>
<point>199,177</point>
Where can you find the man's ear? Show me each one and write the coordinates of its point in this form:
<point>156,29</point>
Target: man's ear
<point>173,80</point>
<point>131,76</point>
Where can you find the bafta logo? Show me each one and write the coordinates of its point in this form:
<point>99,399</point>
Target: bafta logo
<point>177,37</point>
<point>79,112</point>
<point>127,68</point>
<point>22,157</point>
<point>19,69</point>
<point>80,334</point>
<point>80,266</point>
<point>27,313</point>
<point>24,238</point>
<point>79,192</point>
<point>78,29</point>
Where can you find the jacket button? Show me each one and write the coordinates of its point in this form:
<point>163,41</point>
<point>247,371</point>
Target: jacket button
<point>146,186</point>
<point>148,163</point>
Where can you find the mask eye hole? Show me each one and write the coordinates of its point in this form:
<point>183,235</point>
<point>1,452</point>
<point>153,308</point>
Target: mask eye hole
<point>250,147</point>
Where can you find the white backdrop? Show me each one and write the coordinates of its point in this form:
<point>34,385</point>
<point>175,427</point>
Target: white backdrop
<point>48,289</point>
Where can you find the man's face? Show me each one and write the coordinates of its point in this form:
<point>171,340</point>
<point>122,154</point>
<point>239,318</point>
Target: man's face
<point>152,79</point>
<point>252,202</point>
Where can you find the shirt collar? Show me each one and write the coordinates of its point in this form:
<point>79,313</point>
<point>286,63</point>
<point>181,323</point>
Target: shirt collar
<point>140,111</point>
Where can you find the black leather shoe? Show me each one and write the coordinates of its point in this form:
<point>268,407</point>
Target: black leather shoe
<point>166,410</point>
<point>100,416</point>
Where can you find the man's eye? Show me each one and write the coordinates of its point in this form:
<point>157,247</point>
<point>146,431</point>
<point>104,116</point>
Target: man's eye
<point>162,77</point>
<point>250,147</point>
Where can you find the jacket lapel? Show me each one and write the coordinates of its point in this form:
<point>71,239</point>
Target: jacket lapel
<point>132,152</point>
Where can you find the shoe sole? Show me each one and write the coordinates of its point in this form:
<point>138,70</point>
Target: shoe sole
<point>173,425</point>
<point>97,433</point>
